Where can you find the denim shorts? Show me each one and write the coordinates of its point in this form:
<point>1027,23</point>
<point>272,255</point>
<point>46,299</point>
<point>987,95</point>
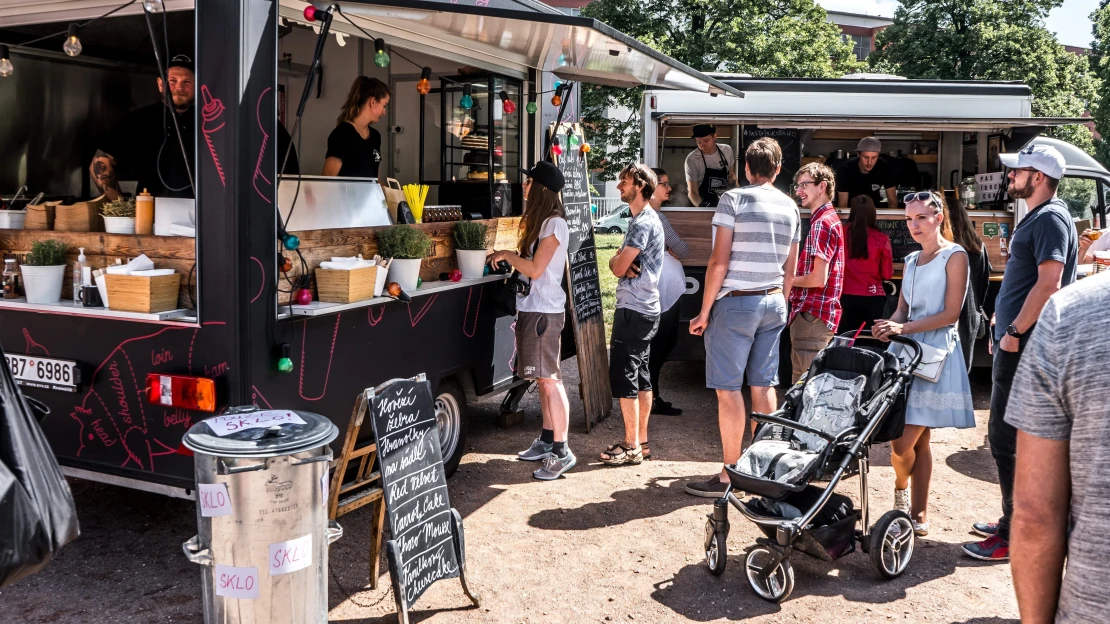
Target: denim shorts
<point>743,337</point>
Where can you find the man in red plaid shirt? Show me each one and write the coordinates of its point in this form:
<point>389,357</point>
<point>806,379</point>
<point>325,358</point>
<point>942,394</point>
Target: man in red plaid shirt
<point>815,296</point>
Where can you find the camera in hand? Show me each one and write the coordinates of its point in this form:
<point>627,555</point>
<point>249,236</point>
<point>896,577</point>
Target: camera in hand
<point>503,267</point>
<point>514,283</point>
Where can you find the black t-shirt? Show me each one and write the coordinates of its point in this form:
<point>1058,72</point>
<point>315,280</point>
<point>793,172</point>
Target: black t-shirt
<point>144,145</point>
<point>293,166</point>
<point>852,181</point>
<point>360,156</point>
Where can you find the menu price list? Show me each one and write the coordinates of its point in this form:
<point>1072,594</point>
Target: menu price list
<point>585,287</point>
<point>416,500</point>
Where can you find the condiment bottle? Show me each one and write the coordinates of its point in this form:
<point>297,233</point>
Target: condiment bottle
<point>144,213</point>
<point>77,272</point>
<point>11,279</point>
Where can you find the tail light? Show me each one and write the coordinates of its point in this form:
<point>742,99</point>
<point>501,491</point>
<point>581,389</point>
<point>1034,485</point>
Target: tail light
<point>191,393</point>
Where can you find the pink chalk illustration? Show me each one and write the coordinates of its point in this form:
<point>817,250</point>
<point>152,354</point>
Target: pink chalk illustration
<point>211,124</point>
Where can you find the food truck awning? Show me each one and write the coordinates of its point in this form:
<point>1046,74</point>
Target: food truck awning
<point>872,122</point>
<point>573,48</point>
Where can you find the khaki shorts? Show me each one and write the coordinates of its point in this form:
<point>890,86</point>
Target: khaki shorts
<point>808,336</point>
<point>538,345</point>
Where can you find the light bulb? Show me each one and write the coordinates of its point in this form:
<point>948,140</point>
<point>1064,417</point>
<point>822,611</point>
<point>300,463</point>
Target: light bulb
<point>424,86</point>
<point>557,150</point>
<point>558,84</point>
<point>6,67</point>
<point>562,60</point>
<point>466,102</point>
<point>152,6</point>
<point>285,364</point>
<point>291,242</point>
<point>381,59</point>
<point>556,100</point>
<point>585,148</point>
<point>310,13</point>
<point>572,139</point>
<point>72,46</point>
<point>506,104</point>
<point>531,108</point>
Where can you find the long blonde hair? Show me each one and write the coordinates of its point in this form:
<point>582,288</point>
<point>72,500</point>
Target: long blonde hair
<point>542,204</point>
<point>362,90</point>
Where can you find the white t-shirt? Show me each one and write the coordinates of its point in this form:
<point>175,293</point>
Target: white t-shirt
<point>1102,243</point>
<point>547,295</point>
<point>696,162</point>
<point>672,282</point>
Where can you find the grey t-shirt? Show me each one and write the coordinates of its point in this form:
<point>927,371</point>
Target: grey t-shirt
<point>1059,393</point>
<point>645,232</point>
<point>696,162</point>
<point>1046,233</point>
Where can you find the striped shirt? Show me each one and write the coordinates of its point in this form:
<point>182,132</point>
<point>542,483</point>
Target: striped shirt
<point>764,223</point>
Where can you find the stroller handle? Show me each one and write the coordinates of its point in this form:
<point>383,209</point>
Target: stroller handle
<point>866,334</point>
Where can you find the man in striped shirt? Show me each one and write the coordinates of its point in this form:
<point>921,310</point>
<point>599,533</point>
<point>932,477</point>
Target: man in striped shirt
<point>743,311</point>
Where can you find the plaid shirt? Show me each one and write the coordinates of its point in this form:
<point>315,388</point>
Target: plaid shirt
<point>826,241</point>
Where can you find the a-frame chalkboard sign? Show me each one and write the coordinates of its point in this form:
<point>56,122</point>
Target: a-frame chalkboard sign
<point>426,533</point>
<point>583,283</point>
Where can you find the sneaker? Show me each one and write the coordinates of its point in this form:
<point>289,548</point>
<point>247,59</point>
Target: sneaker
<point>986,529</point>
<point>902,500</point>
<point>993,548</point>
<point>539,450</point>
<point>710,488</point>
<point>554,466</point>
<point>663,408</point>
<point>920,529</point>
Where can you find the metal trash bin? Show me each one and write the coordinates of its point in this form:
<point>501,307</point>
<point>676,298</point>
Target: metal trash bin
<point>262,516</point>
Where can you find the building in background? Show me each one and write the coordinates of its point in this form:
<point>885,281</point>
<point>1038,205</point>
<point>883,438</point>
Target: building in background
<point>860,29</point>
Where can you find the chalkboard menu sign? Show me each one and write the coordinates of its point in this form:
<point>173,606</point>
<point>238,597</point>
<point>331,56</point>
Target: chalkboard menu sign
<point>901,242</point>
<point>585,288</point>
<point>791,145</point>
<point>426,532</point>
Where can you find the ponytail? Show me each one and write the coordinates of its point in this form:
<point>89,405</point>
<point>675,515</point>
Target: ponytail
<point>363,89</point>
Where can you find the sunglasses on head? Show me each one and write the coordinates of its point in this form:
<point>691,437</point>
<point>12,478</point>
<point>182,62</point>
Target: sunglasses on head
<point>922,196</point>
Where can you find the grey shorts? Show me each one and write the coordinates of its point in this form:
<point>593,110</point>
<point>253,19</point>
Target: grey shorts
<point>743,337</point>
<point>538,345</point>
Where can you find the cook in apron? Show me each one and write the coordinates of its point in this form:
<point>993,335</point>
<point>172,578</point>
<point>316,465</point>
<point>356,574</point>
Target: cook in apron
<point>714,183</point>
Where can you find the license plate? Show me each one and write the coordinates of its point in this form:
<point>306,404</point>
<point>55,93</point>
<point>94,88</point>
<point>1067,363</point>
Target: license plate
<point>50,374</point>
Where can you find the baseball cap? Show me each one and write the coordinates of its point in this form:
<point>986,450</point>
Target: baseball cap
<point>1044,158</point>
<point>181,60</point>
<point>869,144</point>
<point>547,174</point>
<point>704,130</point>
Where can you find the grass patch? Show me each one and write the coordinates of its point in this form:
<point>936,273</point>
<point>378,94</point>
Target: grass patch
<point>607,245</point>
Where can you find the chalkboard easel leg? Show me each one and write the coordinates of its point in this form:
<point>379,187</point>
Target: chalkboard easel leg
<point>460,552</point>
<point>393,557</point>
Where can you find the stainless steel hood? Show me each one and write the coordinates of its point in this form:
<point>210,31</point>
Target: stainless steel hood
<point>573,48</point>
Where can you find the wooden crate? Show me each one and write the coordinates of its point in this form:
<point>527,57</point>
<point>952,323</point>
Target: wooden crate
<point>80,217</point>
<point>134,293</point>
<point>40,217</point>
<point>336,286</point>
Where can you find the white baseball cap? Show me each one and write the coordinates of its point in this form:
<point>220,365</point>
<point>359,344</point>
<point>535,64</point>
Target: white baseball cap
<point>1044,158</point>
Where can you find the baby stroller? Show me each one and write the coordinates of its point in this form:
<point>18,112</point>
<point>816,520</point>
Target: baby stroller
<point>850,398</point>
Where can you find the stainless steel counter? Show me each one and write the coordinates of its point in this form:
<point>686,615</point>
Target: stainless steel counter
<point>324,203</point>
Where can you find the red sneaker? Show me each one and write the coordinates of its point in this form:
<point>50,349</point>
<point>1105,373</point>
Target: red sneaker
<point>993,548</point>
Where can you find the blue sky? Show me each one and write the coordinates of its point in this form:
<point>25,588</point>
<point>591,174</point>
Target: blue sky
<point>1070,22</point>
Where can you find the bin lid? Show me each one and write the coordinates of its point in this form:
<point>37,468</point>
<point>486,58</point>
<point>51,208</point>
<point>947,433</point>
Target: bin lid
<point>255,432</point>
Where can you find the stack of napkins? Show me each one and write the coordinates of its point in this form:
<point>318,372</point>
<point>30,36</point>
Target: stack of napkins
<point>142,263</point>
<point>347,264</point>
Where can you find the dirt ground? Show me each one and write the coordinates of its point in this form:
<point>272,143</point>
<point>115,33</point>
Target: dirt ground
<point>600,545</point>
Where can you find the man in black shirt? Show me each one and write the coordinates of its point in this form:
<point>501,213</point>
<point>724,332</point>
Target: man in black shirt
<point>867,175</point>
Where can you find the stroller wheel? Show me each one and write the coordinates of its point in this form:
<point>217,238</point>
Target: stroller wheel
<point>892,543</point>
<point>716,552</point>
<point>770,581</point>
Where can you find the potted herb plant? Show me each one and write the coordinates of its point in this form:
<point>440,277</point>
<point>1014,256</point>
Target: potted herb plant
<point>470,248</point>
<point>407,246</point>
<point>43,271</point>
<point>119,216</point>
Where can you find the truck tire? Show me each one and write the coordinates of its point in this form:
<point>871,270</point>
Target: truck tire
<point>452,420</point>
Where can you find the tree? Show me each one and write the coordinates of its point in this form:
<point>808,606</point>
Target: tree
<point>1100,63</point>
<point>759,37</point>
<point>991,40</point>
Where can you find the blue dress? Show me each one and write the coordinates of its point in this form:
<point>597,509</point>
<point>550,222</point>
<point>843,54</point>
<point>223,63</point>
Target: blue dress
<point>946,402</point>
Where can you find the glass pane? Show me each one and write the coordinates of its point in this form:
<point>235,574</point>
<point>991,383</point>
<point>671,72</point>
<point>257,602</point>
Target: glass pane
<point>1079,195</point>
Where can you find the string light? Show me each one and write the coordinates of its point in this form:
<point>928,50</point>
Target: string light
<point>72,46</point>
<point>585,148</point>
<point>556,99</point>
<point>291,242</point>
<point>285,364</point>
<point>572,140</point>
<point>6,67</point>
<point>555,147</point>
<point>153,6</point>
<point>531,106</point>
<point>381,59</point>
<point>310,13</point>
<point>424,85</point>
<point>506,104</point>
<point>466,102</point>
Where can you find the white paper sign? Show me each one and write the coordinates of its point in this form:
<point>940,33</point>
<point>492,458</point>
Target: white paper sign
<point>225,425</point>
<point>286,557</point>
<point>213,499</point>
<point>232,582</point>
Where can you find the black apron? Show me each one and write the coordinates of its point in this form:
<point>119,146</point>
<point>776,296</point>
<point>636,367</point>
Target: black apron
<point>714,182</point>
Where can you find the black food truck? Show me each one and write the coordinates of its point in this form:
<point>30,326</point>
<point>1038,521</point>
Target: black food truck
<point>217,303</point>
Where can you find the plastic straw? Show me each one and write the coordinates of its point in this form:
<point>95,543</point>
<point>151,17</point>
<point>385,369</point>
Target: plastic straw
<point>858,332</point>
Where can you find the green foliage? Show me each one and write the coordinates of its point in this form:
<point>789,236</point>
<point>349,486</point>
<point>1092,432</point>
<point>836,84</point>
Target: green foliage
<point>46,253</point>
<point>991,40</point>
<point>1100,63</point>
<point>403,242</point>
<point>1081,196</point>
<point>470,235</point>
<point>122,207</point>
<point>782,38</point>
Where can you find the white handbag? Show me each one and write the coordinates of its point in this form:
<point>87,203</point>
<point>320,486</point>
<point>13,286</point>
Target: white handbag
<point>932,358</point>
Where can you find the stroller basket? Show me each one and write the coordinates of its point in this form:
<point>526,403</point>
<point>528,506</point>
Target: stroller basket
<point>831,535</point>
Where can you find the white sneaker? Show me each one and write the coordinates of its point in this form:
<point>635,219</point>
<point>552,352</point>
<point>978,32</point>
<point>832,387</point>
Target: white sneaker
<point>902,500</point>
<point>920,529</point>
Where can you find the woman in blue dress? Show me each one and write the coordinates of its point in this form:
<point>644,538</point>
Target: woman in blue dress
<point>934,282</point>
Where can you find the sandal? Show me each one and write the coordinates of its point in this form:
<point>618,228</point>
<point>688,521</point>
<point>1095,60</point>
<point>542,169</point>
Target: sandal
<point>618,455</point>
<point>645,448</point>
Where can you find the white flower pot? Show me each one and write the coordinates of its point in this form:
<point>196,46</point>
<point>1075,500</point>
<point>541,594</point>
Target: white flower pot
<point>471,262</point>
<point>405,272</point>
<point>43,283</point>
<point>119,225</point>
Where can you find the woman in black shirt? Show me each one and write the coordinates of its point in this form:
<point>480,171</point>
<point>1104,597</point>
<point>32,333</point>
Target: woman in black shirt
<point>354,148</point>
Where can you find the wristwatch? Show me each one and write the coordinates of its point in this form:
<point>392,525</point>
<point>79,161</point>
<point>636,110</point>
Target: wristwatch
<point>1012,331</point>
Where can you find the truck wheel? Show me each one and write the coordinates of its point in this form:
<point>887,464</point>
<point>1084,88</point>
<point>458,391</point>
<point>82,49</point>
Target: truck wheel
<point>451,418</point>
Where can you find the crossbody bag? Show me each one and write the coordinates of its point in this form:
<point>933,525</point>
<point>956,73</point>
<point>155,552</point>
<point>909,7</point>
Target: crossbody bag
<point>932,358</point>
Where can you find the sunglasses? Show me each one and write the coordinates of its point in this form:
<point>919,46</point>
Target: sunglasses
<point>921,196</point>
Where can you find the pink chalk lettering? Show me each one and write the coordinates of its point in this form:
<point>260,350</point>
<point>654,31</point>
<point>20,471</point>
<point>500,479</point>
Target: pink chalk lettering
<point>160,357</point>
